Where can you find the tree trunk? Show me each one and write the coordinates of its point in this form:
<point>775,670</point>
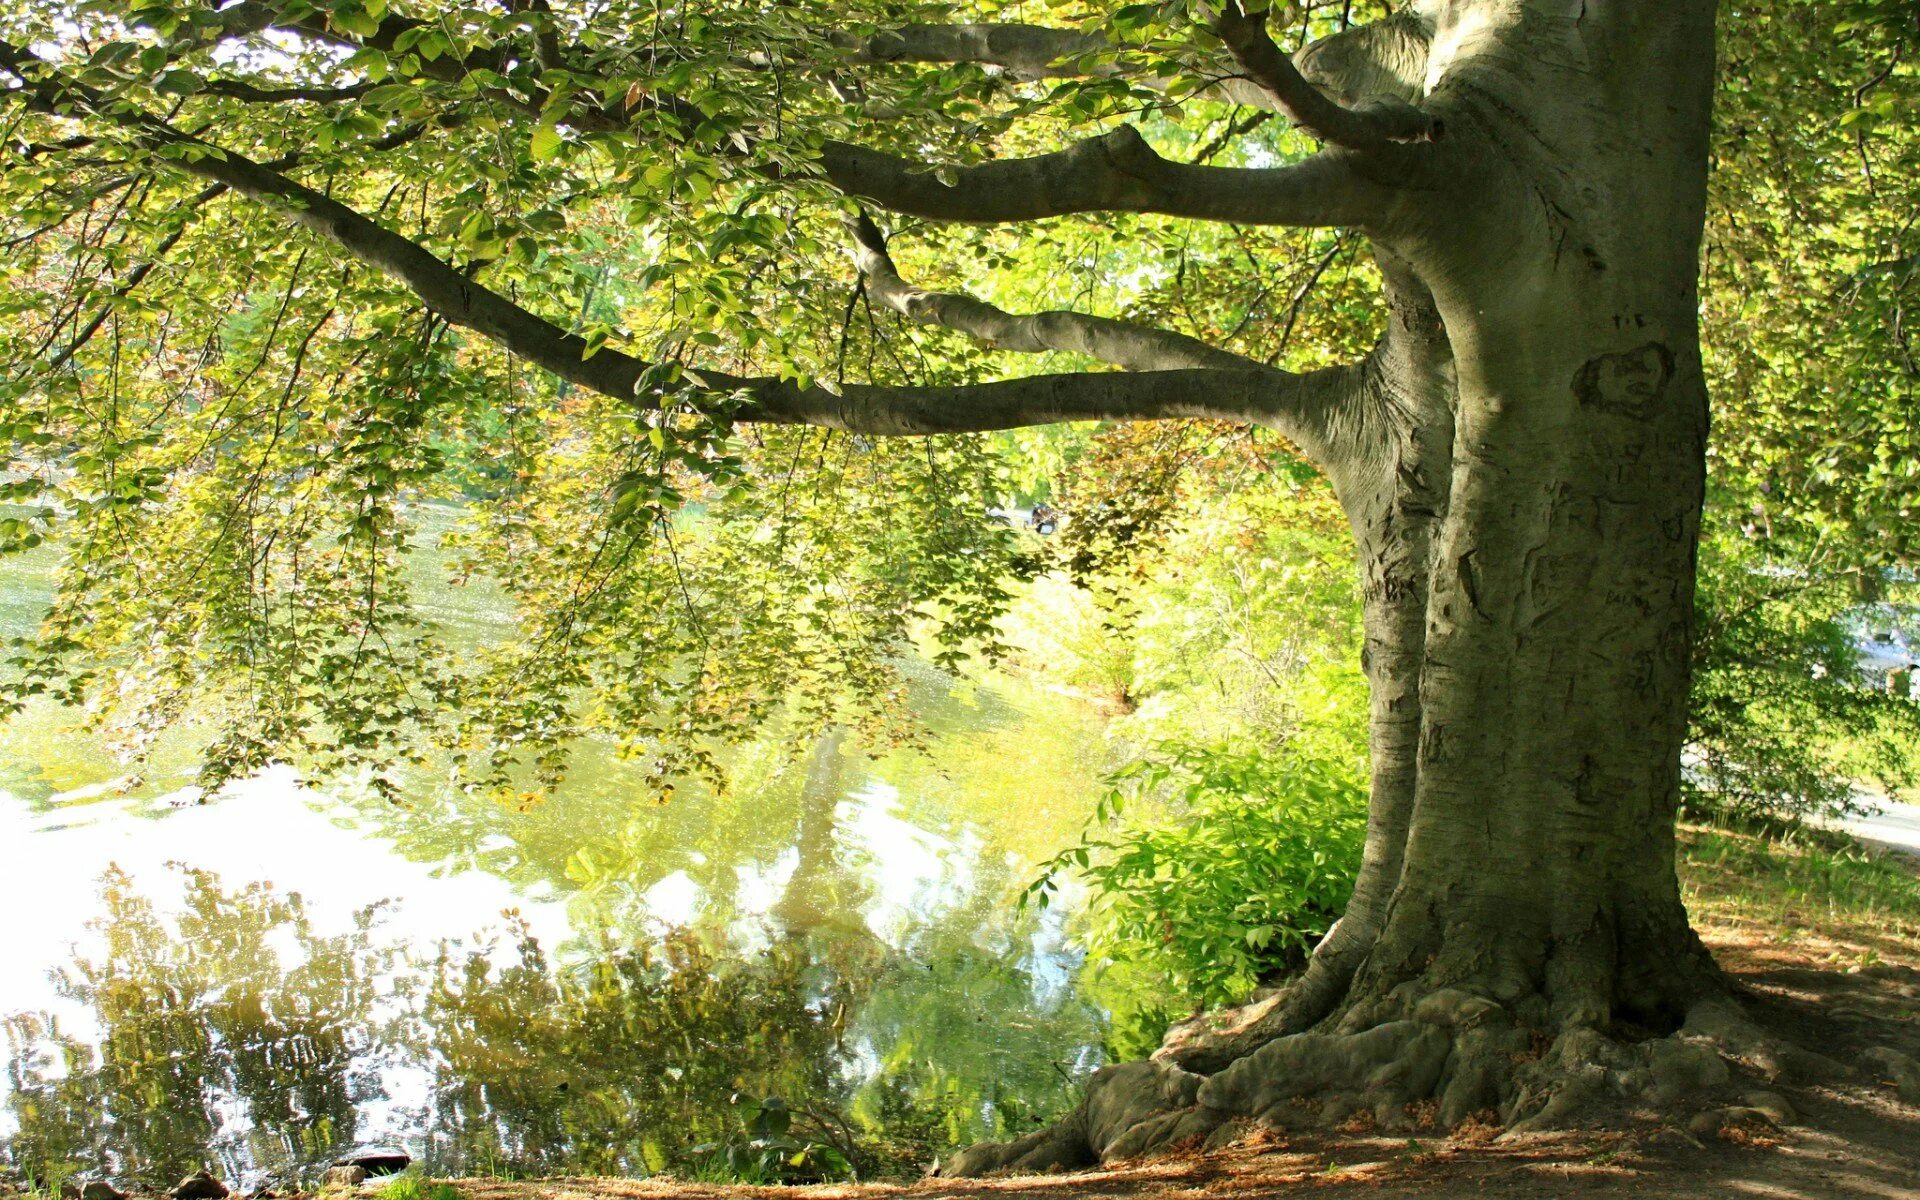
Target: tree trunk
<point>1553,680</point>
<point>1527,551</point>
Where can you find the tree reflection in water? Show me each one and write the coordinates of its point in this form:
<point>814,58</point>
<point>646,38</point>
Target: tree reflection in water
<point>623,1064</point>
<point>209,1043</point>
<point>235,1033</point>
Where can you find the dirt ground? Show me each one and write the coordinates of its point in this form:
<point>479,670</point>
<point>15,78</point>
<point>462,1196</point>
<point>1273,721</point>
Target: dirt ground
<point>1837,988</point>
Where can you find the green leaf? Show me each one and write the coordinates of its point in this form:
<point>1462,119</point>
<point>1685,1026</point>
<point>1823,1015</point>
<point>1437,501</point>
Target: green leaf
<point>178,83</point>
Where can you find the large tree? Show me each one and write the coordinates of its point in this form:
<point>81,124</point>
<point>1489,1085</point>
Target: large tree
<point>204,200</point>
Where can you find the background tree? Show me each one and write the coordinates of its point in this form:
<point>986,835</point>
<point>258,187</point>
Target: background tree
<point>1808,275</point>
<point>245,239</point>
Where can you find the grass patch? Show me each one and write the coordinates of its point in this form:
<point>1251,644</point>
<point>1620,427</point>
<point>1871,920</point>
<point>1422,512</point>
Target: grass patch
<point>411,1186</point>
<point>1805,880</point>
<point>42,1187</point>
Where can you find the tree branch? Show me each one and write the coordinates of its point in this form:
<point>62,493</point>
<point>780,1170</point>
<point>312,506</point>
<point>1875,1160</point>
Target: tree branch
<point>1373,124</point>
<point>1385,60</point>
<point>1117,172</point>
<point>240,89</point>
<point>1251,395</point>
<point>1124,345</point>
<point>1025,52</point>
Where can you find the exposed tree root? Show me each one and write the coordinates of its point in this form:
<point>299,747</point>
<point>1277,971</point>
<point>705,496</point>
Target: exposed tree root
<point>1452,1055</point>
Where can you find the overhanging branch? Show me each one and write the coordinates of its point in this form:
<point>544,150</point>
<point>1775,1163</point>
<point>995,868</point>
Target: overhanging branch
<point>1127,346</point>
<point>1374,67</point>
<point>1032,52</point>
<point>1305,407</point>
<point>1221,395</point>
<point>1239,394</point>
<point>1117,172</point>
<point>1022,51</point>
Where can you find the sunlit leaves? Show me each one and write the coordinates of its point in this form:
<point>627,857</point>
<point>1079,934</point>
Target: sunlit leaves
<point>1218,865</point>
<point>1809,279</point>
<point>239,440</point>
<point>244,457</point>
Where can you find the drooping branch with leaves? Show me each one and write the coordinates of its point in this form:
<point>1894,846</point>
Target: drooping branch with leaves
<point>280,270</point>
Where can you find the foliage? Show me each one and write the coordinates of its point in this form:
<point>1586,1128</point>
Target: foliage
<point>1783,724</point>
<point>1246,864</point>
<point>237,440</point>
<point>768,1149</point>
<point>234,434</point>
<point>1229,628</point>
<point>1810,279</point>
<point>1210,624</point>
<point>1808,287</point>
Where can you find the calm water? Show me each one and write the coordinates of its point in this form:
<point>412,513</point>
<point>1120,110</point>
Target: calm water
<point>261,979</point>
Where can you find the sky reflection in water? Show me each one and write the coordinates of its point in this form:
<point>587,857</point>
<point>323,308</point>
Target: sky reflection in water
<point>259,980</point>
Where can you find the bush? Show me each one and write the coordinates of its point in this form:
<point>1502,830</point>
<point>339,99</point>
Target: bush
<point>1246,862</point>
<point>770,1149</point>
<point>1782,721</point>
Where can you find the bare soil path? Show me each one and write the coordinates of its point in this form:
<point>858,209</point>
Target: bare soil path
<point>1888,822</point>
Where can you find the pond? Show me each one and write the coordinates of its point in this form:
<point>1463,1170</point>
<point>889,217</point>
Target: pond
<point>255,981</point>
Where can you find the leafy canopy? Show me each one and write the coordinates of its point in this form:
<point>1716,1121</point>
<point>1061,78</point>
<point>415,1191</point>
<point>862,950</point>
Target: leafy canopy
<point>245,444</point>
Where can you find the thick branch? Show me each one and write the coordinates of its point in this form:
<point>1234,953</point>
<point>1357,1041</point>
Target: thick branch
<point>240,89</point>
<point>438,284</point>
<point>1124,345</point>
<point>1370,125</point>
<point>1386,60</point>
<point>1030,52</point>
<point>1022,51</point>
<point>1365,64</point>
<point>1118,172</point>
<point>1243,395</point>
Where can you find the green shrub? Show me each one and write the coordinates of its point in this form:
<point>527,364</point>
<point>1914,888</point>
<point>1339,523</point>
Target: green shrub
<point>1215,867</point>
<point>1782,722</point>
<point>769,1150</point>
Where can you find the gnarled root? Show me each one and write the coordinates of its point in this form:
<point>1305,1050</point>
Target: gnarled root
<point>1129,1110</point>
<point>1450,1055</point>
